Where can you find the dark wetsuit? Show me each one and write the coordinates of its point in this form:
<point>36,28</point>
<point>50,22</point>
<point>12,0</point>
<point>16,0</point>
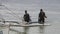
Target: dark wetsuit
<point>26,18</point>
<point>41,17</point>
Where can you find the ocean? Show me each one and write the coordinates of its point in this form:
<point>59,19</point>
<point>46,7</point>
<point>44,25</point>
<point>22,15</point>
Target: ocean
<point>13,10</point>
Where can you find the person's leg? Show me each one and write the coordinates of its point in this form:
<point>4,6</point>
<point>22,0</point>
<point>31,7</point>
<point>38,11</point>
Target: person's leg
<point>40,21</point>
<point>43,20</point>
<point>27,21</point>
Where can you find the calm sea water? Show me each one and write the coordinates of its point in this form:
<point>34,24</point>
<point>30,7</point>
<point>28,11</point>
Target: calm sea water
<point>53,19</point>
<point>17,7</point>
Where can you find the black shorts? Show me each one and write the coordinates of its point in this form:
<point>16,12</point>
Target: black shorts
<point>26,20</point>
<point>41,20</point>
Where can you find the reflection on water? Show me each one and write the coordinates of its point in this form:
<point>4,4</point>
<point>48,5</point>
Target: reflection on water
<point>27,30</point>
<point>42,29</point>
<point>53,29</point>
<point>38,30</point>
<point>1,32</point>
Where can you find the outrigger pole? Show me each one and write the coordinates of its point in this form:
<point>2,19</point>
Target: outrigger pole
<point>12,13</point>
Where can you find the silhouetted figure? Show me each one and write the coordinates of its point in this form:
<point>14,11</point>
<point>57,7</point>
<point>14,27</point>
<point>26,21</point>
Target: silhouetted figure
<point>26,17</point>
<point>42,17</point>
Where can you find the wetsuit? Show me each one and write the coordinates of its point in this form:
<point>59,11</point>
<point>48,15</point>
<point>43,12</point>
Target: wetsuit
<point>26,18</point>
<point>41,17</point>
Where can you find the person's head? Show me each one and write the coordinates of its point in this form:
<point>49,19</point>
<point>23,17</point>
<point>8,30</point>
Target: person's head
<point>41,10</point>
<point>25,11</point>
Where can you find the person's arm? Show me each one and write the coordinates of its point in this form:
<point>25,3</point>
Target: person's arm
<point>23,18</point>
<point>45,15</point>
<point>29,17</point>
<point>39,16</point>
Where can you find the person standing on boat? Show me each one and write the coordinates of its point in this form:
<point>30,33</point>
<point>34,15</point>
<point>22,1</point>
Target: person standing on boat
<point>26,17</point>
<point>41,17</point>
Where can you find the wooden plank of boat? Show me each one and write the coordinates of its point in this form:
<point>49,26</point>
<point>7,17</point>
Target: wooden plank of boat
<point>25,25</point>
<point>31,25</point>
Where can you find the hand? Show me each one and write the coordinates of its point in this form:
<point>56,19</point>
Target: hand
<point>45,17</point>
